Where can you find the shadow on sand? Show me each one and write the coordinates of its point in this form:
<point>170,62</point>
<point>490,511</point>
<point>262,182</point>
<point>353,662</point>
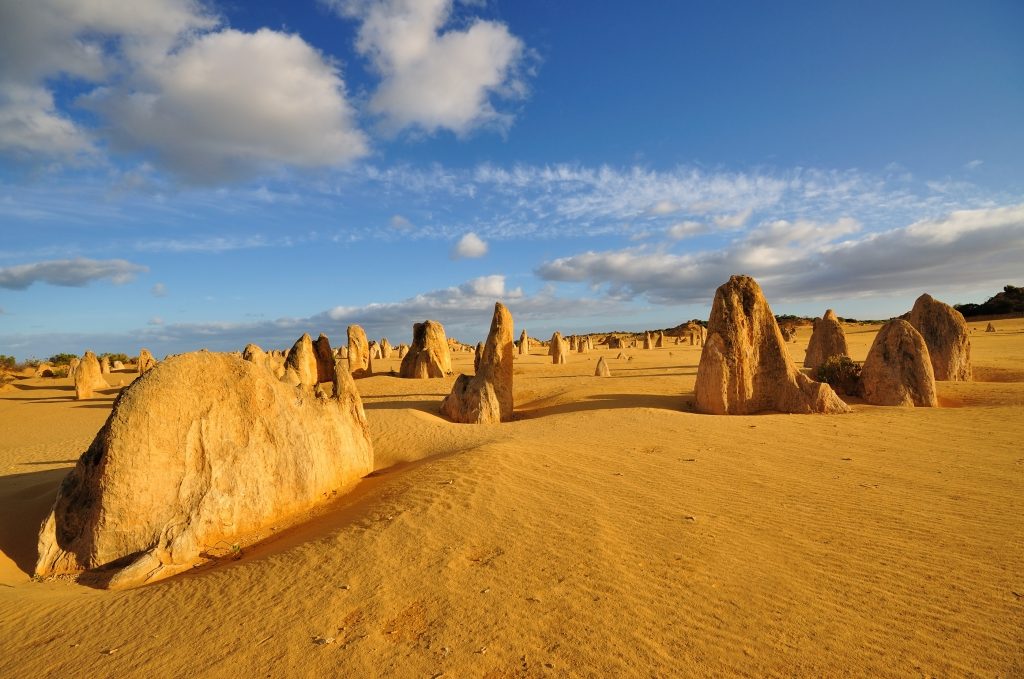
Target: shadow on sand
<point>674,402</point>
<point>28,498</point>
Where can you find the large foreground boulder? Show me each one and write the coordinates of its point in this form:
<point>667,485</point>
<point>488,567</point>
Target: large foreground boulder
<point>898,369</point>
<point>302,360</point>
<point>358,350</point>
<point>948,338</point>
<point>429,355</point>
<point>744,366</point>
<point>827,340</point>
<point>204,449</point>
<point>88,377</point>
<point>486,398</point>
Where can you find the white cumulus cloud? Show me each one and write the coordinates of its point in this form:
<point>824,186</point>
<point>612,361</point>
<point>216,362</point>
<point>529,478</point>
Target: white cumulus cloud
<point>469,246</point>
<point>168,81</point>
<point>435,76</point>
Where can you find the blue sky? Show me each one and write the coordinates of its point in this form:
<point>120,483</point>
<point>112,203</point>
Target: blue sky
<point>180,175</point>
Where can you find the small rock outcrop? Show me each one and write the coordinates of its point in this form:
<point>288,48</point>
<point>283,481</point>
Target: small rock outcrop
<point>324,359</point>
<point>602,368</point>
<point>88,377</point>
<point>358,350</point>
<point>990,327</point>
<point>105,365</point>
<point>302,360</point>
<point>118,365</point>
<point>524,343</point>
<point>146,361</point>
<point>201,451</point>
<point>429,355</point>
<point>898,369</point>
<point>557,349</point>
<point>486,398</point>
<point>385,348</point>
<point>827,340</point>
<point>948,338</point>
<point>744,367</point>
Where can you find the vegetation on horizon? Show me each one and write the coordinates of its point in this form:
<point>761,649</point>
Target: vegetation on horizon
<point>1009,301</point>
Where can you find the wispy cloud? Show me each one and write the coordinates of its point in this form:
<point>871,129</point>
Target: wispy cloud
<point>158,290</point>
<point>73,273</point>
<point>204,244</point>
<point>806,260</point>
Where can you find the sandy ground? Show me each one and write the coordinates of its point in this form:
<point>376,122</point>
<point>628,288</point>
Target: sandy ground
<point>609,531</point>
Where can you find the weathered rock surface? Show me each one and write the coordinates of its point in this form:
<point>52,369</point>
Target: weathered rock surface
<point>146,361</point>
<point>105,365</point>
<point>302,360</point>
<point>200,451</point>
<point>88,377</point>
<point>118,365</point>
<point>827,340</point>
<point>557,349</point>
<point>602,369</point>
<point>524,343</point>
<point>358,350</point>
<point>898,369</point>
<point>429,355</point>
<point>948,338</point>
<point>324,359</point>
<point>990,328</point>
<point>486,398</point>
<point>744,366</point>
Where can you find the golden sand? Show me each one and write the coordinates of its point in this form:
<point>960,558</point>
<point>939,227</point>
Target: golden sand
<point>608,531</point>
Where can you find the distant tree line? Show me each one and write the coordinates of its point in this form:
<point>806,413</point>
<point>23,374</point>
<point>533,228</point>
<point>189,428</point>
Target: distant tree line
<point>1009,301</point>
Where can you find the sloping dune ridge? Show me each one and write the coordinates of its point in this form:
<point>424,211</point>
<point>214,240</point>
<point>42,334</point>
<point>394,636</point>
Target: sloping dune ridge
<point>609,530</point>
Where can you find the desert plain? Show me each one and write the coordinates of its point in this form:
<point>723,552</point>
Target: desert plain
<point>609,530</point>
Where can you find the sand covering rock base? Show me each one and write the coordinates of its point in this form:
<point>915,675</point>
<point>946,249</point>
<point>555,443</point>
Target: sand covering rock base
<point>202,449</point>
<point>948,338</point>
<point>898,369</point>
<point>486,398</point>
<point>744,366</point>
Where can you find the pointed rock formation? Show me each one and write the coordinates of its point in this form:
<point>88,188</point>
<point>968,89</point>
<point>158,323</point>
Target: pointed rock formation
<point>557,349</point>
<point>254,354</point>
<point>302,360</point>
<point>429,355</point>
<point>146,361</point>
<point>602,368</point>
<point>898,369</point>
<point>203,450</point>
<point>324,359</point>
<point>948,338</point>
<point>659,340</point>
<point>486,398</point>
<point>990,327</point>
<point>477,355</point>
<point>88,377</point>
<point>524,343</point>
<point>745,368</point>
<point>827,340</point>
<point>105,365</point>
<point>358,350</point>
<point>648,341</point>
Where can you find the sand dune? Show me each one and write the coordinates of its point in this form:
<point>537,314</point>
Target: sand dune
<point>608,531</point>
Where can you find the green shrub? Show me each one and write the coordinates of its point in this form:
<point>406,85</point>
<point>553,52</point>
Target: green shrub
<point>842,374</point>
<point>7,362</point>
<point>61,359</point>
<point>116,357</point>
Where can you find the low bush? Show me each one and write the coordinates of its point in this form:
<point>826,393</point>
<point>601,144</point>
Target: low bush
<point>842,374</point>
